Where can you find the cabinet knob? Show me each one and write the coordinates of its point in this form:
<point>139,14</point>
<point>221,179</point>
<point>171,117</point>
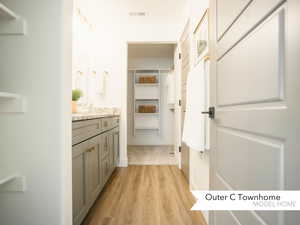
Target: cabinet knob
<point>90,150</point>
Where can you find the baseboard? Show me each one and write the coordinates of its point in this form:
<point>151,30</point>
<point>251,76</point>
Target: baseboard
<point>123,163</point>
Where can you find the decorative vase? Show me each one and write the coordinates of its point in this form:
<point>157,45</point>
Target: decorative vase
<point>74,107</point>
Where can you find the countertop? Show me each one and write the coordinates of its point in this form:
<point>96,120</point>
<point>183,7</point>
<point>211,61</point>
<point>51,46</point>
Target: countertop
<point>88,116</point>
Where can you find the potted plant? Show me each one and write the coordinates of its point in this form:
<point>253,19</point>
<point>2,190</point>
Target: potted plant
<point>76,95</point>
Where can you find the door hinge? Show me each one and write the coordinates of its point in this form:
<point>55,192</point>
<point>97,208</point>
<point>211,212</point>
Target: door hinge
<point>179,102</point>
<point>179,55</point>
<point>179,148</point>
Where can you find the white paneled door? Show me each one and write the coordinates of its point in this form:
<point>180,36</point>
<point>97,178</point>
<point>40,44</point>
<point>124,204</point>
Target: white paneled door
<point>255,89</point>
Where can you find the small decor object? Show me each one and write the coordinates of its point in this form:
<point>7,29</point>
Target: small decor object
<point>201,38</point>
<point>76,95</point>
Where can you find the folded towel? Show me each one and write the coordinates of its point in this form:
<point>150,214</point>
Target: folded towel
<point>194,121</point>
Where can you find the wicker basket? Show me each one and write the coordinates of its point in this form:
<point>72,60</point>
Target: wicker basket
<point>147,109</point>
<point>147,79</point>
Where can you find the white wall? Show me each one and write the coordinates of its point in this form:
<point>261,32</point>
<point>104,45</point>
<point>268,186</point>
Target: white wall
<point>114,29</point>
<point>37,144</point>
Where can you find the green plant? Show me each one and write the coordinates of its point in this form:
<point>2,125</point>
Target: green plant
<point>76,94</point>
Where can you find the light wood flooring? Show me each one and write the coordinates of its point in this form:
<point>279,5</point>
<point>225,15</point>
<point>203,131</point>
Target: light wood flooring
<point>145,195</point>
<point>151,155</point>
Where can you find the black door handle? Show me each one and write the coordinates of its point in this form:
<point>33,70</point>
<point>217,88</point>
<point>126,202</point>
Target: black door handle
<point>210,112</point>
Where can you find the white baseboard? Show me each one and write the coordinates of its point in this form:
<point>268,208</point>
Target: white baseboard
<point>123,163</point>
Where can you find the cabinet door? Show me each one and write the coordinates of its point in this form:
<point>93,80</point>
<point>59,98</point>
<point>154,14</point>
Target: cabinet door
<point>111,152</point>
<point>78,185</point>
<point>105,169</point>
<point>100,167</point>
<point>116,147</point>
<point>92,171</point>
<point>105,144</point>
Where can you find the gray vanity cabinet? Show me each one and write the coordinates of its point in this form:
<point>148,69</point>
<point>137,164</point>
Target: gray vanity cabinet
<point>95,156</point>
<point>86,178</point>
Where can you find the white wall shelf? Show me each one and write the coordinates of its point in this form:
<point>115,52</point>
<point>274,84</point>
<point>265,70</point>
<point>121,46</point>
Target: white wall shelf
<point>145,84</point>
<point>12,183</point>
<point>146,94</point>
<point>147,99</point>
<point>10,22</point>
<point>12,103</point>
<point>147,128</point>
<point>147,114</point>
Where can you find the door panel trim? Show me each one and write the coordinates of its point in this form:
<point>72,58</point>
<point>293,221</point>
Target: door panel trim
<point>246,23</point>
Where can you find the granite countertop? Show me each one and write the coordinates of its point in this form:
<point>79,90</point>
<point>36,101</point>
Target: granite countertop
<point>88,116</point>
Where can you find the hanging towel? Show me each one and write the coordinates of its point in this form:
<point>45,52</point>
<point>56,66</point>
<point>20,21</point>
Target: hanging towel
<point>102,82</point>
<point>171,88</point>
<point>194,121</point>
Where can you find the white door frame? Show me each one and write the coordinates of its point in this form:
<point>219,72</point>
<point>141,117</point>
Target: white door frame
<point>177,124</point>
<point>124,137</point>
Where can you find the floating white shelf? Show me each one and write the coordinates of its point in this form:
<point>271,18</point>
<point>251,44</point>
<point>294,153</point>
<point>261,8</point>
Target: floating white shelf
<point>12,103</point>
<point>149,84</point>
<point>147,128</point>
<point>147,114</point>
<point>147,99</point>
<point>12,183</point>
<point>10,22</point>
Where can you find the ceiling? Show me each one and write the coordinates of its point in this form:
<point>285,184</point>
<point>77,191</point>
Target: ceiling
<point>151,50</point>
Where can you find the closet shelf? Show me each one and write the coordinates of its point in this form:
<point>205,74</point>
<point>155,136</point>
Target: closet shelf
<point>147,84</point>
<point>10,22</point>
<point>12,183</point>
<point>147,114</point>
<point>10,103</point>
<point>147,128</point>
<point>147,99</point>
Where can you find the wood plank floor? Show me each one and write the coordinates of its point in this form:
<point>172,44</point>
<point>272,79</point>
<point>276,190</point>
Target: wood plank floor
<point>151,155</point>
<point>145,195</point>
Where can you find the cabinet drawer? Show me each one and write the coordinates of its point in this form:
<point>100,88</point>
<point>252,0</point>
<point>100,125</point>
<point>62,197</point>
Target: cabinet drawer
<point>83,130</point>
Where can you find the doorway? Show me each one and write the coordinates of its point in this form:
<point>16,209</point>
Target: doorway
<point>150,104</point>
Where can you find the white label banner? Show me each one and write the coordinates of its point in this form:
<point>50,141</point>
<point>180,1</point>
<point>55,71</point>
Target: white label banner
<point>247,200</point>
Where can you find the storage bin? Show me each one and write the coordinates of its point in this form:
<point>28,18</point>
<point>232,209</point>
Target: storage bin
<point>147,79</point>
<point>147,109</point>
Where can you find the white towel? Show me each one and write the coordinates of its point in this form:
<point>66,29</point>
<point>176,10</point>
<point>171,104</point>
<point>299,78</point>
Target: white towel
<point>102,82</point>
<point>171,88</point>
<point>194,121</point>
